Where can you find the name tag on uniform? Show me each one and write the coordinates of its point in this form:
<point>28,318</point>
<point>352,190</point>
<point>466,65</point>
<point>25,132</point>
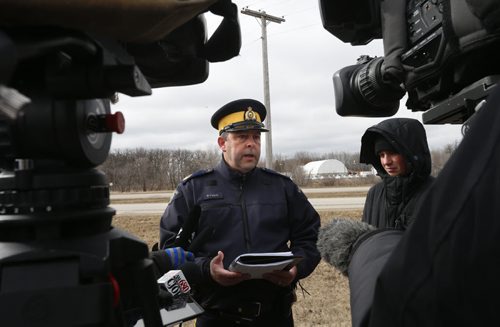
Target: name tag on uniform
<point>213,196</point>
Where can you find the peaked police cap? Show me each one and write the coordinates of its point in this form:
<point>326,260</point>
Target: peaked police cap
<point>240,115</point>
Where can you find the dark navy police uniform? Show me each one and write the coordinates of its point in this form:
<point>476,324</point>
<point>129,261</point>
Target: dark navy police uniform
<point>260,211</point>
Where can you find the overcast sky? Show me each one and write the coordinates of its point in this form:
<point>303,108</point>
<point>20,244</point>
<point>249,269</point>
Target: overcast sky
<point>302,58</point>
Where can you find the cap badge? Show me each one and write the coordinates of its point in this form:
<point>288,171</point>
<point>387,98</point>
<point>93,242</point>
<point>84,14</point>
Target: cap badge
<point>250,114</point>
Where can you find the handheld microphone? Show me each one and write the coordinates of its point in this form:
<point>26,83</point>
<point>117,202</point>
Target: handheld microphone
<point>175,295</point>
<point>178,283</point>
<point>175,282</point>
<point>335,241</point>
<point>177,286</point>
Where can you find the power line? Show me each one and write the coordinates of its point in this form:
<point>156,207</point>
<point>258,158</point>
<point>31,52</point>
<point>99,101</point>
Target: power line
<point>265,18</point>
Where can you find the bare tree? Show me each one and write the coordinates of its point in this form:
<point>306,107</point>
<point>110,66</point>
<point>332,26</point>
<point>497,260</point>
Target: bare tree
<point>441,156</point>
<point>117,170</point>
<point>161,169</point>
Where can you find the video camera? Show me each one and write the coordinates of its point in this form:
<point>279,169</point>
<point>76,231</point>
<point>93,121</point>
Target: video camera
<point>443,53</point>
<point>62,263</point>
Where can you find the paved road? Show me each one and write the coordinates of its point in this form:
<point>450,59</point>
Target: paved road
<point>343,203</point>
<point>168,194</point>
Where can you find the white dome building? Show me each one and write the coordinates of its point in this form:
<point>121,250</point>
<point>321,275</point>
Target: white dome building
<point>321,169</point>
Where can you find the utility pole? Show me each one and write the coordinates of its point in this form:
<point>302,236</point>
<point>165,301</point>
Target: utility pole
<point>264,19</point>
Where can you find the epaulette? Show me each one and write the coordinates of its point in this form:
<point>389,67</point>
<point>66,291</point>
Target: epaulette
<point>274,172</point>
<point>196,174</point>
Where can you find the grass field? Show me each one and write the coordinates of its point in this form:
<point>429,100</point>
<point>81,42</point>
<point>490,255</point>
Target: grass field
<point>324,300</point>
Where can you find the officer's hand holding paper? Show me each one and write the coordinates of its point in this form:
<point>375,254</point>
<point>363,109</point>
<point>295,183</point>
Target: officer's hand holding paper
<point>257,264</point>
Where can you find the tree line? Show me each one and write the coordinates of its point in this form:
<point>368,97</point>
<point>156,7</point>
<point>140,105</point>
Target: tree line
<point>145,170</point>
<point>153,169</point>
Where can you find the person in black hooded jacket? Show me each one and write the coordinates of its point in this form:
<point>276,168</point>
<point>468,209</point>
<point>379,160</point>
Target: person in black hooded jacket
<point>397,148</point>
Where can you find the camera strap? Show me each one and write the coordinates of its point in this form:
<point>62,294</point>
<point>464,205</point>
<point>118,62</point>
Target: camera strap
<point>394,38</point>
<point>225,42</point>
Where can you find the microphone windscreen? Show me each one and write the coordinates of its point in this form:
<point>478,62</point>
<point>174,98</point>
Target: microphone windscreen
<point>335,241</point>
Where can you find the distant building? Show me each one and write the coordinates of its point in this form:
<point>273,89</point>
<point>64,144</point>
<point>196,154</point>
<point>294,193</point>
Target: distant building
<point>367,173</point>
<point>322,169</point>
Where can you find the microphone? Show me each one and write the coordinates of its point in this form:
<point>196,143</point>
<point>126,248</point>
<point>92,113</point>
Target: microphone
<point>177,286</point>
<point>176,302</point>
<point>175,282</point>
<point>336,240</point>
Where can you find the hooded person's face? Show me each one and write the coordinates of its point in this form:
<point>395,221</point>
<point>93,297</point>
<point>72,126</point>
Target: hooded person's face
<point>393,163</point>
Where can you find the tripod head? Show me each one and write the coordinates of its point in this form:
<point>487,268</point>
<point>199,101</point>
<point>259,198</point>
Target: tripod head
<point>59,248</point>
<point>62,263</point>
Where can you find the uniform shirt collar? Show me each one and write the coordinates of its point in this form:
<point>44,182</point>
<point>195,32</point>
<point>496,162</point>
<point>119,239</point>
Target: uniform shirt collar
<point>231,174</point>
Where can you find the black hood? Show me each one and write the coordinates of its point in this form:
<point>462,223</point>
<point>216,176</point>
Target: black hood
<point>407,136</point>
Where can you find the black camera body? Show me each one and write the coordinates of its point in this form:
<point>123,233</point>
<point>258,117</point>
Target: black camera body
<point>62,263</point>
<point>443,53</point>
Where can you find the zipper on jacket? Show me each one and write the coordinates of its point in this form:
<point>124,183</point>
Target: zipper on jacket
<point>246,230</point>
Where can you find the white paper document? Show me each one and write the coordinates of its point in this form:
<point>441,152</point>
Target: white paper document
<point>257,264</point>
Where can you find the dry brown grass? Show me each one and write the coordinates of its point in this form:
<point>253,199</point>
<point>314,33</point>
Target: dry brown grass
<point>325,299</point>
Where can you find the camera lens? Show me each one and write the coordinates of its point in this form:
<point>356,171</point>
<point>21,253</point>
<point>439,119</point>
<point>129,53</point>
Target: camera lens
<point>369,84</point>
<point>360,90</point>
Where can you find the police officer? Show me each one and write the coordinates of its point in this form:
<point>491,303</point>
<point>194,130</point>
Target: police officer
<point>245,209</point>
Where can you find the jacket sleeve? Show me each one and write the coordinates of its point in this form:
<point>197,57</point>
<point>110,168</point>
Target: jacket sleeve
<point>173,218</point>
<point>171,222</point>
<point>374,209</point>
<point>368,208</point>
<point>304,228</point>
